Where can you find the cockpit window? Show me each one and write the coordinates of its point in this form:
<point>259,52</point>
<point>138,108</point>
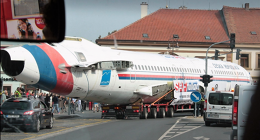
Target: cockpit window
<point>81,56</point>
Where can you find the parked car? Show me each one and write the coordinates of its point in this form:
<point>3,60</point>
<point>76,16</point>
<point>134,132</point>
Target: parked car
<point>29,114</point>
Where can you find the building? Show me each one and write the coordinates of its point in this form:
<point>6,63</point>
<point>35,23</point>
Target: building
<point>190,32</point>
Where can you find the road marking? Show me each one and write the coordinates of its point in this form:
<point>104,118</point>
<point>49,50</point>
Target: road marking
<point>65,130</point>
<point>177,133</point>
<point>169,130</point>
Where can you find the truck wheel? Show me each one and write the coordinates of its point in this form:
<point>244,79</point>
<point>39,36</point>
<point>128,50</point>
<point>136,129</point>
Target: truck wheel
<point>207,123</point>
<point>170,112</point>
<point>161,112</point>
<point>144,114</point>
<point>153,113</point>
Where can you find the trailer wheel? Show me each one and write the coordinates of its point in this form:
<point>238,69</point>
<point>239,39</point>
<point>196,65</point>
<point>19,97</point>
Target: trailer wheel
<point>153,113</point>
<point>144,114</point>
<point>170,112</point>
<point>161,112</point>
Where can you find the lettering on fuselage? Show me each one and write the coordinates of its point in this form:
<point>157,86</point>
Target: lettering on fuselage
<point>225,66</point>
<point>176,57</point>
<point>186,86</point>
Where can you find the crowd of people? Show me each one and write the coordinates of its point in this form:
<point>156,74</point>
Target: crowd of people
<point>58,103</point>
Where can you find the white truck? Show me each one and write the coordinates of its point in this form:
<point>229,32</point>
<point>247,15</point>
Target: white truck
<point>243,96</point>
<point>218,107</point>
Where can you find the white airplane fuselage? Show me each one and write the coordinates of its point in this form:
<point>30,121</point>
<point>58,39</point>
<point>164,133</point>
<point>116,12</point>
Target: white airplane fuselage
<point>87,71</point>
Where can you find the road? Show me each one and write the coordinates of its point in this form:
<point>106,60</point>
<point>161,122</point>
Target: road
<point>89,126</point>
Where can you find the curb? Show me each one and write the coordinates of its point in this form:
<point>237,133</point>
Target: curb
<point>66,116</point>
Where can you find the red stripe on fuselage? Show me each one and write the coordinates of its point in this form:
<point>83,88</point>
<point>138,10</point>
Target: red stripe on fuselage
<point>64,84</point>
<point>177,77</point>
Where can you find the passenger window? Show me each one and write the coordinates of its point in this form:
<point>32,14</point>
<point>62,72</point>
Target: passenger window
<point>42,105</point>
<point>36,104</point>
<point>145,67</point>
<point>135,67</point>
<point>139,67</point>
<point>142,67</point>
<point>158,68</point>
<point>152,68</point>
<point>166,69</point>
<point>149,68</point>
<point>220,98</point>
<point>155,68</point>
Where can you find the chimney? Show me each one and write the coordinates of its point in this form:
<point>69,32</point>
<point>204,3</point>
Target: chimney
<point>247,6</point>
<point>144,7</point>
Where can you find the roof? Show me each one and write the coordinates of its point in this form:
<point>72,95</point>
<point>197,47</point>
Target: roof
<point>190,25</point>
<point>241,22</point>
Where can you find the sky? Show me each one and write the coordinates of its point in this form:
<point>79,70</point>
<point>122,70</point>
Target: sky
<point>91,18</point>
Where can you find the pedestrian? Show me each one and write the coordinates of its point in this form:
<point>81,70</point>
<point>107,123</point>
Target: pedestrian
<point>18,92</point>
<point>60,104</point>
<point>75,104</point>
<point>27,93</point>
<point>96,108</point>
<point>47,101</point>
<point>72,104</point>
<point>202,104</point>
<point>64,103</point>
<point>3,97</point>
<point>55,104</point>
<point>79,105</point>
<point>83,105</point>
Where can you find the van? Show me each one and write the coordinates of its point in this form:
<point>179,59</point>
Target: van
<point>242,101</point>
<point>218,107</point>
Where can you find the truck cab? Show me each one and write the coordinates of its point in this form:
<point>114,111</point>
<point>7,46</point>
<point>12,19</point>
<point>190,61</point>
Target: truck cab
<point>218,107</point>
<point>242,102</point>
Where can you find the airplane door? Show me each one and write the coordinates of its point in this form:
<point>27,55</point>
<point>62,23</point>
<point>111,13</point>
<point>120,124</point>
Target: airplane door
<point>81,83</point>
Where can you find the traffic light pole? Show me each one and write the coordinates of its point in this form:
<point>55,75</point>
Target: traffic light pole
<point>206,65</point>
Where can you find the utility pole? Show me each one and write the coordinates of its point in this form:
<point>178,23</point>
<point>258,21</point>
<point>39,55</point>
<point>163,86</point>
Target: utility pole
<point>206,63</point>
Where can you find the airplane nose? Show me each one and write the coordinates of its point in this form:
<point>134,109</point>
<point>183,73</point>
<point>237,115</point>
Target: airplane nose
<point>11,67</point>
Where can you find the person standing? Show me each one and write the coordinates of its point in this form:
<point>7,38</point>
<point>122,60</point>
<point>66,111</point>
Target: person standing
<point>61,104</point>
<point>18,92</point>
<point>79,106</point>
<point>55,104</point>
<point>27,93</point>
<point>3,97</point>
<point>202,104</point>
<point>72,104</point>
<point>47,100</point>
<point>95,107</point>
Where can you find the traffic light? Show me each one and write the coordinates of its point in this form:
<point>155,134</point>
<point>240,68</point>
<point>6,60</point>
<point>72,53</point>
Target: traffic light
<point>238,54</point>
<point>206,79</point>
<point>202,78</point>
<point>209,78</point>
<point>216,54</point>
<point>232,41</point>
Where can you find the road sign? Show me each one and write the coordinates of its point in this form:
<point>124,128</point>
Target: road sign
<point>195,96</point>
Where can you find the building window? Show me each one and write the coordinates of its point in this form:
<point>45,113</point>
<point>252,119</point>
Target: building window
<point>245,60</point>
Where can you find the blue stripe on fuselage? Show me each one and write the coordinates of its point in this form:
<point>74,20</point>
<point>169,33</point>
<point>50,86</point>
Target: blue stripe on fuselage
<point>48,78</point>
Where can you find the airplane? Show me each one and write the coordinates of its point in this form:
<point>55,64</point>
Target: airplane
<point>78,68</point>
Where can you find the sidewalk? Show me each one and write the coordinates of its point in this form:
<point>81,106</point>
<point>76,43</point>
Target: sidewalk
<point>84,114</point>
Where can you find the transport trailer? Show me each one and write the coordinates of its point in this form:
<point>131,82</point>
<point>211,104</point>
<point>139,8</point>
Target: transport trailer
<point>158,109</point>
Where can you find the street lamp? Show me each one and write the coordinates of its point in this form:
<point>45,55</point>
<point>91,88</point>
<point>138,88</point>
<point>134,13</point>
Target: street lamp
<point>174,39</point>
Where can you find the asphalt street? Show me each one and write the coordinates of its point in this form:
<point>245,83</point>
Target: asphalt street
<point>88,125</point>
